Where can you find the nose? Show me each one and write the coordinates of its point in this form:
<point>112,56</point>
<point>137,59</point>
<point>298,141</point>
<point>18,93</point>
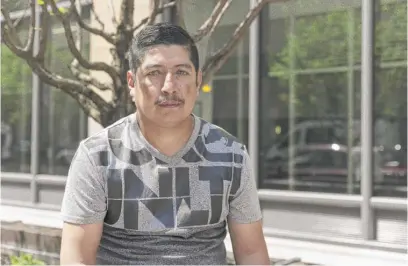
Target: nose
<point>169,85</point>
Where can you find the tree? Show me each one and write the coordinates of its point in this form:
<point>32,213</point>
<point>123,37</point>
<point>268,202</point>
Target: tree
<point>83,87</point>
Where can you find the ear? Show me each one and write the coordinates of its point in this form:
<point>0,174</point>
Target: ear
<point>131,84</point>
<point>130,79</point>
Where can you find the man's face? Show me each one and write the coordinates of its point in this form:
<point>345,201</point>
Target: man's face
<point>166,85</point>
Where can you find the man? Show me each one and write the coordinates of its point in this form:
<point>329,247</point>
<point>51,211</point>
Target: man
<point>160,186</point>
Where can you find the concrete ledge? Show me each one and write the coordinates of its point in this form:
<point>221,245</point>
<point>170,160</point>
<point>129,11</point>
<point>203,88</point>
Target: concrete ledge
<point>41,228</point>
<point>42,242</point>
<point>31,236</point>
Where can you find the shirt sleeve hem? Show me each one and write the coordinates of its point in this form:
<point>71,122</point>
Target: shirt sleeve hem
<point>247,221</point>
<point>98,218</point>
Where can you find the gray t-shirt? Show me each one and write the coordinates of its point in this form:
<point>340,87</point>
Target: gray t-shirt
<point>158,209</point>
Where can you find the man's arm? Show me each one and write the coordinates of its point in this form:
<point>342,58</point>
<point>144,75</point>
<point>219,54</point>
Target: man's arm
<point>248,243</point>
<point>83,210</point>
<point>245,219</point>
<point>80,243</point>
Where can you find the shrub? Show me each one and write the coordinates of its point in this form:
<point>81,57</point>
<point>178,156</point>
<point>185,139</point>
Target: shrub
<point>25,259</point>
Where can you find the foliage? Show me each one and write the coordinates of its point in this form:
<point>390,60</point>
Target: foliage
<point>14,85</point>
<point>324,41</point>
<point>25,259</point>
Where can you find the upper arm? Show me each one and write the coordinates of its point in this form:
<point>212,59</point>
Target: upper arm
<point>246,238</point>
<point>245,217</point>
<point>80,243</point>
<point>85,200</point>
<point>83,207</point>
<point>244,205</point>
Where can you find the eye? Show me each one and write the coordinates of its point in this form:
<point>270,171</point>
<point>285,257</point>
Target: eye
<point>182,72</point>
<point>154,73</point>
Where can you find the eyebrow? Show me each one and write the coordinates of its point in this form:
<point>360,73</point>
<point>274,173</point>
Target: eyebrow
<point>184,65</point>
<point>150,66</point>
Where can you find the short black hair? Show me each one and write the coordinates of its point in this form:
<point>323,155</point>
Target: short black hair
<point>162,33</point>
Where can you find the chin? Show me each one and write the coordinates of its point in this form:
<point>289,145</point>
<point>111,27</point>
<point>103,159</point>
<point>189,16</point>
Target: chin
<point>171,120</point>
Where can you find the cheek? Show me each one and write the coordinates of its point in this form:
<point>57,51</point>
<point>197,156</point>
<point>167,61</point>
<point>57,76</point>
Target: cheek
<point>188,87</point>
<point>190,96</point>
<point>146,91</point>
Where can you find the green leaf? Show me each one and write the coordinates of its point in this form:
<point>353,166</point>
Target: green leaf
<point>25,259</point>
<point>62,10</point>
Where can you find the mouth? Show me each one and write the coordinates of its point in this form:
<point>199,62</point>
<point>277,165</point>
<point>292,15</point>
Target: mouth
<point>170,104</point>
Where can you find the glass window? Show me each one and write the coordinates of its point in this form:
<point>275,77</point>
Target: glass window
<point>63,123</point>
<point>226,103</point>
<point>308,94</point>
<point>16,83</point>
<point>230,107</point>
<point>220,37</point>
<point>390,104</point>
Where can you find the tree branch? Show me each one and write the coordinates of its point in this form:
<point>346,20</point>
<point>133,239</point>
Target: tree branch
<point>93,104</point>
<point>109,37</point>
<point>126,14</point>
<point>153,13</point>
<point>88,80</point>
<point>211,23</point>
<point>44,28</point>
<point>97,18</point>
<point>112,7</point>
<point>11,32</point>
<point>99,66</point>
<point>31,31</point>
<point>159,11</point>
<point>214,63</point>
<point>18,21</point>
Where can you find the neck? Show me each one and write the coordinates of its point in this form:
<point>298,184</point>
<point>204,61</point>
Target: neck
<point>168,140</point>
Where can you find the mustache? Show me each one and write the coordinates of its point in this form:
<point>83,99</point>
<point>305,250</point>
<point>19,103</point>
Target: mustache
<point>169,98</point>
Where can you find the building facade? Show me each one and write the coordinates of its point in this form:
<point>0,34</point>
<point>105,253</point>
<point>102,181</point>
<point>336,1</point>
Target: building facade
<point>317,90</point>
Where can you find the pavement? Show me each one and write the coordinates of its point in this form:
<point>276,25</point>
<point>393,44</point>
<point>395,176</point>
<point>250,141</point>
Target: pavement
<point>281,250</point>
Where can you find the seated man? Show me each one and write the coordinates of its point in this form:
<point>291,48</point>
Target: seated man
<point>161,185</point>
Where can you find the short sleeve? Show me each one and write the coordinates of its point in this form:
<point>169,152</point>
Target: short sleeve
<point>84,200</point>
<point>244,205</point>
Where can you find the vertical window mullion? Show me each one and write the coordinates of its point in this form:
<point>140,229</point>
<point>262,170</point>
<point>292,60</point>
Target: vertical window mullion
<point>367,90</point>
<point>254,80</point>
<point>35,115</point>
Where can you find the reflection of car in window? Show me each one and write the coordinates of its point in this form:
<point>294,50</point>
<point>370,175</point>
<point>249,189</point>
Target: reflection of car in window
<point>394,166</point>
<point>307,133</point>
<point>320,153</point>
<point>326,134</point>
<point>321,162</point>
<point>325,163</point>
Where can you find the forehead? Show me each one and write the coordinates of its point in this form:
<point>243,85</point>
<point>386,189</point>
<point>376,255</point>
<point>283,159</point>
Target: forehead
<point>166,55</point>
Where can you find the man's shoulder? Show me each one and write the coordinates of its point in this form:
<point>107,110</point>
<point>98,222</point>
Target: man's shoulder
<point>216,135</point>
<point>101,138</point>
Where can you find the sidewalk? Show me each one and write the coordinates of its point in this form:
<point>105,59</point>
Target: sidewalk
<point>285,249</point>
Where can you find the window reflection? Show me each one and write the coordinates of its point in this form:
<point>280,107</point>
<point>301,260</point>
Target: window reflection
<point>226,105</point>
<point>16,83</point>
<point>63,123</point>
<point>390,108</point>
<point>310,98</point>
